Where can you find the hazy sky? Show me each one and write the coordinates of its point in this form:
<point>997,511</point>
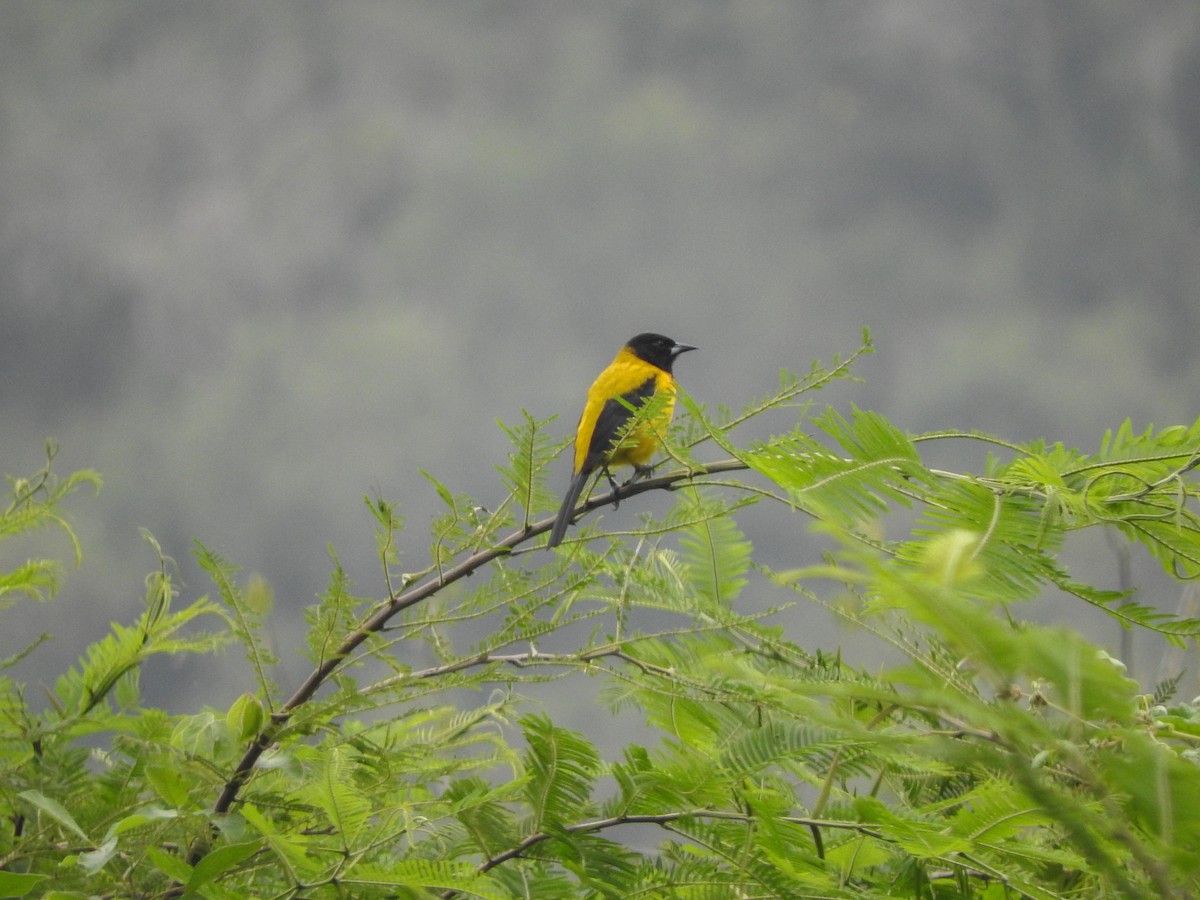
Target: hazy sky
<point>259,260</point>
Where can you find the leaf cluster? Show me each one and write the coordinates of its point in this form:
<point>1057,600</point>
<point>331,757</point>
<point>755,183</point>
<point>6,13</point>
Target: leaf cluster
<point>996,758</point>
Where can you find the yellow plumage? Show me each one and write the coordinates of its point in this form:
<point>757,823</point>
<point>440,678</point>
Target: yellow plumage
<point>641,370</point>
<point>623,378</point>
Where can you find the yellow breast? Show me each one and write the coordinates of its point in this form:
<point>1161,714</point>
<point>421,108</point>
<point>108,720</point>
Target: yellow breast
<point>624,376</point>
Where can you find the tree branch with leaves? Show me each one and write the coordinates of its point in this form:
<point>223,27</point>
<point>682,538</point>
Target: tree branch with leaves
<point>993,756</point>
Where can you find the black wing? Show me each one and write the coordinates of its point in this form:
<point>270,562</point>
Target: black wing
<point>613,417</point>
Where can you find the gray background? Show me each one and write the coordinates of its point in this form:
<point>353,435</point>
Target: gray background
<point>257,260</point>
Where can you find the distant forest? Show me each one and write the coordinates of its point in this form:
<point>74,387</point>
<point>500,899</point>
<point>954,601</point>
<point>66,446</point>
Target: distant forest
<point>257,260</point>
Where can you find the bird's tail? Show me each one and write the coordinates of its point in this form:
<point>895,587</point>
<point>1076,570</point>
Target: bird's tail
<point>568,507</point>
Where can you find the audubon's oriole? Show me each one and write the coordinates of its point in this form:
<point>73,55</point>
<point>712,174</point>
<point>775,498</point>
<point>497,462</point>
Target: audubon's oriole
<point>641,370</point>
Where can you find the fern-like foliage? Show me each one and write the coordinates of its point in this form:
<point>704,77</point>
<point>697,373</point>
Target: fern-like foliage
<point>563,766</point>
<point>248,611</point>
<point>717,557</point>
<point>525,473</point>
<point>33,505</point>
<point>983,756</point>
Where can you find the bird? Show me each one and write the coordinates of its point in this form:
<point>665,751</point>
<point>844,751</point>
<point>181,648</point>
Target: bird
<point>641,370</point>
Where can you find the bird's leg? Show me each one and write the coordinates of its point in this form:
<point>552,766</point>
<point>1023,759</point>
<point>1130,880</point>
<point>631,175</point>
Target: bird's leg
<point>639,472</point>
<point>612,483</point>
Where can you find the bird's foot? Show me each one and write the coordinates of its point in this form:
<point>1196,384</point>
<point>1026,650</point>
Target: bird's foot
<point>640,472</point>
<point>616,489</point>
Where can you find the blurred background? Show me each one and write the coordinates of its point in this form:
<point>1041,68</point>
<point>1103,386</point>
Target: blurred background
<point>258,260</point>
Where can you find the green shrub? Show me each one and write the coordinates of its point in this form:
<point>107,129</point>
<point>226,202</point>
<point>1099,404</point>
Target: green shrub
<point>996,758</point>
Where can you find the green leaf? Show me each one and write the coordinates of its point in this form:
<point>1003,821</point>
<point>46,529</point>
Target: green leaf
<point>878,468</point>
<point>532,454</point>
<point>716,554</point>
<point>15,884</point>
<point>562,766</point>
<point>221,861</point>
<point>94,860</point>
<point>924,837</point>
<point>249,612</point>
<point>290,850</point>
<point>9,661</point>
<point>35,579</point>
<point>55,810</point>
<point>198,735</point>
<point>245,718</point>
<point>755,749</point>
<point>143,816</point>
<point>481,809</point>
<point>333,789</point>
<point>35,501</point>
<point>333,618</point>
<point>107,661</point>
<point>453,527</point>
<point>169,864</point>
<point>451,877</point>
<point>1006,555</point>
<point>442,491</point>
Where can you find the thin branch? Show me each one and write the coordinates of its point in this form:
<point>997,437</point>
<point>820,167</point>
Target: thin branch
<point>969,436</point>
<point>664,819</point>
<point>379,619</point>
<point>812,382</point>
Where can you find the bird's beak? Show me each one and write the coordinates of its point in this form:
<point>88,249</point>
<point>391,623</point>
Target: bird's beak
<point>680,348</point>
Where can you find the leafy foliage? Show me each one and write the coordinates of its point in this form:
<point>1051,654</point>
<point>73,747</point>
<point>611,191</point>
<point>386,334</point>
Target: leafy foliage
<point>997,758</point>
<point>34,506</point>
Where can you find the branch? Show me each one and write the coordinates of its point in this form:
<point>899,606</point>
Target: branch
<point>538,837</point>
<point>668,482</point>
<point>378,620</point>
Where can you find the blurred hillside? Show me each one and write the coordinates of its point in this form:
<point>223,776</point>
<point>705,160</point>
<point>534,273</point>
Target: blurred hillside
<point>257,260</point>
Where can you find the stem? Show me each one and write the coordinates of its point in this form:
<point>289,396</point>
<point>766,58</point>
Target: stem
<point>378,620</point>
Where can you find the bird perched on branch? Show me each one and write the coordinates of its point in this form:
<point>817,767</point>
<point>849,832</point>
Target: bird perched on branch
<point>641,371</point>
